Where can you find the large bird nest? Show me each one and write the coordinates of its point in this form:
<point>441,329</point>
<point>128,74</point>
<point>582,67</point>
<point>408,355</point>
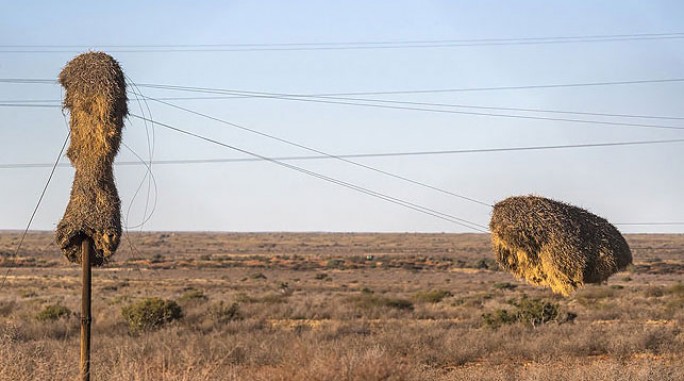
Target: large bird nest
<point>96,99</point>
<point>550,243</point>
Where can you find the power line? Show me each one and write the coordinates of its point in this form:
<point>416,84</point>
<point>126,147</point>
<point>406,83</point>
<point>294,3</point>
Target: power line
<point>363,155</point>
<point>150,149</point>
<point>397,92</point>
<point>47,103</point>
<point>29,105</point>
<point>400,202</point>
<point>28,101</point>
<point>595,36</point>
<point>360,102</point>
<point>357,45</point>
<point>444,216</point>
<point>520,109</point>
<point>649,223</point>
<point>294,144</point>
<point>432,91</point>
<point>28,81</point>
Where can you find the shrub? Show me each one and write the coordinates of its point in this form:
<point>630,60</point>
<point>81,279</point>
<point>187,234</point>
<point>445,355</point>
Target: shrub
<point>432,296</point>
<point>400,304</point>
<point>505,286</point>
<point>536,311</point>
<point>28,293</point>
<point>371,301</point>
<point>530,311</point>
<point>654,292</point>
<point>485,264</point>
<point>221,313</point>
<point>335,264</point>
<point>53,312</point>
<point>192,294</point>
<point>6,308</point>
<point>676,289</point>
<point>498,318</point>
<point>151,313</point>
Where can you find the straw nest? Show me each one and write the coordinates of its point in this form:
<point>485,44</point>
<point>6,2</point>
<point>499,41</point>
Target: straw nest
<point>553,244</point>
<point>95,96</point>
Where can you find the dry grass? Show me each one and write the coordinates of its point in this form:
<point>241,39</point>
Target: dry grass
<point>289,323</point>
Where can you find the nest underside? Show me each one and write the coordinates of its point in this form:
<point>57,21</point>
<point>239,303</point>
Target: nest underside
<point>554,244</point>
<point>93,212</point>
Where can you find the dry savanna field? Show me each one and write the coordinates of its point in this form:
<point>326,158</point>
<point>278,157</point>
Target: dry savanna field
<point>334,306</point>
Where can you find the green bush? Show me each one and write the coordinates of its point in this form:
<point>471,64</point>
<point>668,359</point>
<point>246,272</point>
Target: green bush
<point>53,312</point>
<point>432,296</point>
<point>150,313</point>
<point>498,318</point>
<point>536,311</point>
<point>530,311</point>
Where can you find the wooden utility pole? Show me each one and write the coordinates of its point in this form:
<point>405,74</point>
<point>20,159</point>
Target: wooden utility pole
<point>86,252</point>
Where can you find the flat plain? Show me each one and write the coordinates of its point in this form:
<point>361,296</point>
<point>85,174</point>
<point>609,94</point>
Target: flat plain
<point>337,306</point>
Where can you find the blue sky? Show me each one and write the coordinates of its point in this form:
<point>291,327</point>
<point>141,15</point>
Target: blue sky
<point>623,184</point>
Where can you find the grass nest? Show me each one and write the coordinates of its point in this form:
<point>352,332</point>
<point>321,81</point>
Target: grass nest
<point>95,96</point>
<point>554,244</point>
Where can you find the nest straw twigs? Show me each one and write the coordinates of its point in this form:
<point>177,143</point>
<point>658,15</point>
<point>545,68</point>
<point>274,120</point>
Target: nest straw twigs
<point>553,244</point>
<point>96,99</point>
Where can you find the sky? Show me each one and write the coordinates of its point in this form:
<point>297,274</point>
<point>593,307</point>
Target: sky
<point>488,57</point>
